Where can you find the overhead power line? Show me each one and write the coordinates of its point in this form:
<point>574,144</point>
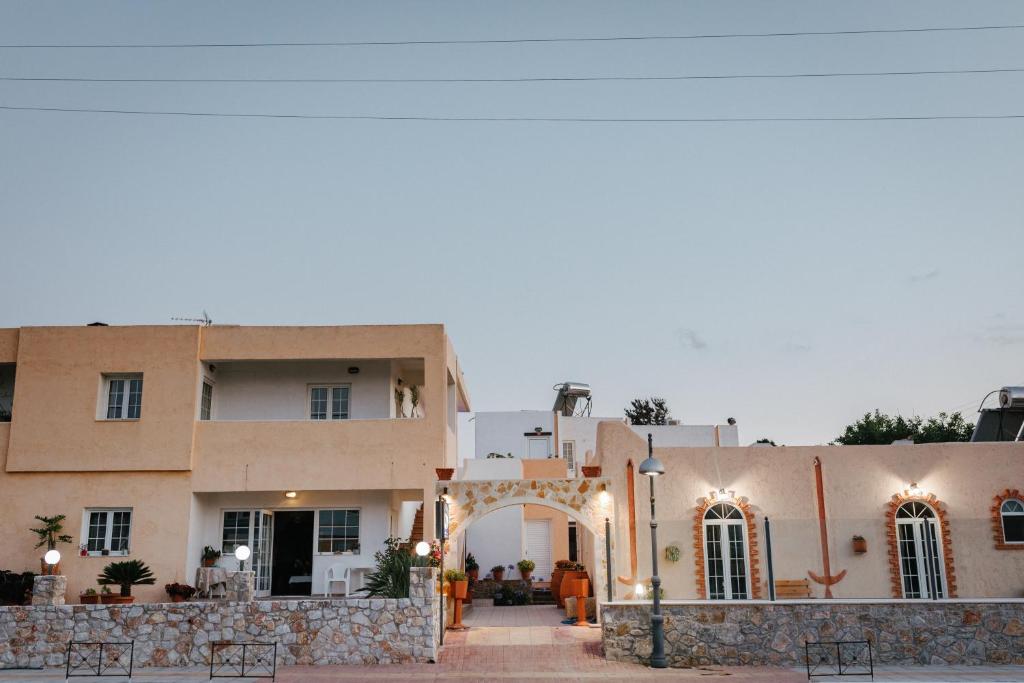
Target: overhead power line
<point>520,119</point>
<point>525,79</point>
<point>506,41</point>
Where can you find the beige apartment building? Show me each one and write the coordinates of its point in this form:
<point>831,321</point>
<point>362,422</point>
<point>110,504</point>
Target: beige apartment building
<point>311,445</point>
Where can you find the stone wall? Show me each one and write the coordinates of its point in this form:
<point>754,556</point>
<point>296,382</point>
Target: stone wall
<point>763,633</point>
<point>345,631</point>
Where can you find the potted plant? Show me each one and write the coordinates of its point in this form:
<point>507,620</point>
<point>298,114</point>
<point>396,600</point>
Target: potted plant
<point>860,545</point>
<point>210,556</point>
<point>106,597</point>
<point>456,579</point>
<point>50,535</point>
<point>498,573</point>
<point>89,597</point>
<point>83,550</point>
<point>472,567</point>
<point>179,592</point>
<point>525,568</point>
<point>126,574</point>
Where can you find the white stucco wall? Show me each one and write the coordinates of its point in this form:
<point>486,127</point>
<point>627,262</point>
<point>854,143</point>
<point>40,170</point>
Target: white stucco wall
<point>582,431</point>
<point>681,436</point>
<point>504,432</point>
<point>375,519</point>
<point>278,390</point>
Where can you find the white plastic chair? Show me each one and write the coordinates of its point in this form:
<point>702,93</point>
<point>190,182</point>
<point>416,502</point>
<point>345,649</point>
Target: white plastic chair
<point>337,574</point>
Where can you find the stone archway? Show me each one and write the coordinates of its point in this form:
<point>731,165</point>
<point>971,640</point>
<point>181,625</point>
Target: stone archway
<point>588,501</point>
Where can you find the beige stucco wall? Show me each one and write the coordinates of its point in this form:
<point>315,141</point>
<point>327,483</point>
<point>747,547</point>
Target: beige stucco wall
<point>859,483</point>
<point>8,345</point>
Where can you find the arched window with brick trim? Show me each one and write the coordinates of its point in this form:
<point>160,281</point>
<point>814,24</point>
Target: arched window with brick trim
<point>1011,520</point>
<point>726,553</point>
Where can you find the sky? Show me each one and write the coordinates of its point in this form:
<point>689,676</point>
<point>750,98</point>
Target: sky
<point>790,275</point>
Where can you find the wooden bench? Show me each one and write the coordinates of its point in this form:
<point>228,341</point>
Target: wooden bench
<point>792,589</point>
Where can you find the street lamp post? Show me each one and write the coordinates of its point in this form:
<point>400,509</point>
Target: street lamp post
<point>651,468</point>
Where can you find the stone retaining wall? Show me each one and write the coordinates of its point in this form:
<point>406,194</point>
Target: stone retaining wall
<point>347,631</point>
<point>761,633</point>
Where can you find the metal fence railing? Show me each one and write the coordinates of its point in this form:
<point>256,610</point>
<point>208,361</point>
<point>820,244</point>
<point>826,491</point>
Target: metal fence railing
<point>839,658</point>
<point>238,660</point>
<point>100,659</point>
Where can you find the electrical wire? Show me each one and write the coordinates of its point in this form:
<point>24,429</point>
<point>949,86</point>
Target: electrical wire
<point>538,79</point>
<point>519,119</point>
<point>506,41</point>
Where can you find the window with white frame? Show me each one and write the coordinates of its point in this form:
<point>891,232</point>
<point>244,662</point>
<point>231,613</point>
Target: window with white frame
<point>123,394</point>
<point>206,401</point>
<point>569,455</point>
<point>337,531</point>
<point>1011,514</point>
<point>107,530</point>
<point>725,553</point>
<point>235,531</point>
<point>329,402</point>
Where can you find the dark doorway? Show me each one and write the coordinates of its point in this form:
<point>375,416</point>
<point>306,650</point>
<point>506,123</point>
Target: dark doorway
<point>293,553</point>
<point>573,542</point>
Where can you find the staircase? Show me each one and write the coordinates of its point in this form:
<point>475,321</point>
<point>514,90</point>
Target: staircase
<point>416,535</point>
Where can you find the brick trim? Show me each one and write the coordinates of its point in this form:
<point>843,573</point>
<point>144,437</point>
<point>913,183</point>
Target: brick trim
<point>939,507</point>
<point>753,555</point>
<point>997,519</point>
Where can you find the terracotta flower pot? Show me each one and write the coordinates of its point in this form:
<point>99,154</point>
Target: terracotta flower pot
<point>860,545</point>
<point>568,587</point>
<point>460,589</point>
<point>209,562</point>
<point>526,574</point>
<point>444,473</point>
<point>177,598</point>
<point>89,599</point>
<point>556,585</point>
<point>114,599</point>
<point>498,576</point>
<point>591,470</point>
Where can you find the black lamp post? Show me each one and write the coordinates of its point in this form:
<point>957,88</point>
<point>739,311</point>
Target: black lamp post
<point>652,467</point>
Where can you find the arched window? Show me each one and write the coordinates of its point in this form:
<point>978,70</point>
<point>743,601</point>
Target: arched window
<point>920,551</point>
<point>1011,516</point>
<point>725,553</point>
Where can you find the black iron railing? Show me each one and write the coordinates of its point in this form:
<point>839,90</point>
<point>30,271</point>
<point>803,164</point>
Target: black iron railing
<point>839,658</point>
<point>238,660</point>
<point>100,659</point>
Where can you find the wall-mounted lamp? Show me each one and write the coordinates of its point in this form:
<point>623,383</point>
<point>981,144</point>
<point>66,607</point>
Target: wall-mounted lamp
<point>422,548</point>
<point>638,591</point>
<point>353,370</point>
<point>915,490</point>
<point>721,495</point>
<point>290,494</point>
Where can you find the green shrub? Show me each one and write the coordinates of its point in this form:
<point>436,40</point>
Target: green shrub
<point>126,574</point>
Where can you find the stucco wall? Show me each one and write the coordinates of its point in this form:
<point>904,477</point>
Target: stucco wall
<point>859,484</point>
<point>503,432</point>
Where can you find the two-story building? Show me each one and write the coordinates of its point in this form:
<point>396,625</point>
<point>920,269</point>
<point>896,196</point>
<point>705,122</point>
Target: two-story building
<point>311,445</point>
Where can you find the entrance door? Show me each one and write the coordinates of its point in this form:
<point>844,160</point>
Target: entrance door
<point>538,547</point>
<point>921,563</point>
<point>262,545</point>
<point>537,448</point>
<point>292,558</point>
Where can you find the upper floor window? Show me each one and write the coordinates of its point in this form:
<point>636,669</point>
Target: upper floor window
<point>124,396</point>
<point>1011,514</point>
<point>206,401</point>
<point>569,455</point>
<point>329,402</point>
<point>107,531</point>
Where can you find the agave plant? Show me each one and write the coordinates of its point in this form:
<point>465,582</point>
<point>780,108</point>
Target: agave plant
<point>391,579</point>
<point>126,574</point>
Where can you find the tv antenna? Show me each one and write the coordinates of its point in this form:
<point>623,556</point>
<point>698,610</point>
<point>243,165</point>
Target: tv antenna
<point>205,321</point>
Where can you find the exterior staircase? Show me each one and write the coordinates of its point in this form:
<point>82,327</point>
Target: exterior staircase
<point>416,535</point>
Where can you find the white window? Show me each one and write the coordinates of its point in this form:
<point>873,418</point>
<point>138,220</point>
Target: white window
<point>206,401</point>
<point>337,531</point>
<point>725,553</point>
<point>1011,514</point>
<point>123,394</point>
<point>108,530</point>
<point>921,564</point>
<point>329,402</point>
<point>569,455</point>
<point>236,530</point>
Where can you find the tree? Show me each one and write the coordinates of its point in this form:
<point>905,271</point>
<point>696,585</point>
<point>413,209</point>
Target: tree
<point>767,441</point>
<point>880,429</point>
<point>648,411</point>
<point>50,532</point>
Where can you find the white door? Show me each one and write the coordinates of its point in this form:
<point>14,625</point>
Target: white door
<point>921,559</point>
<point>538,547</point>
<point>537,447</point>
<point>262,550</point>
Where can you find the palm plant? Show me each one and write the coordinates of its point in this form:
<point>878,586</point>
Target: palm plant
<point>391,579</point>
<point>126,574</point>
<point>50,532</point>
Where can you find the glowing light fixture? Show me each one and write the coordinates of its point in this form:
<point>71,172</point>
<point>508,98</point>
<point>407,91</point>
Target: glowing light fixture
<point>915,490</point>
<point>639,591</point>
<point>52,557</point>
<point>290,494</point>
<point>422,548</point>
<point>242,554</point>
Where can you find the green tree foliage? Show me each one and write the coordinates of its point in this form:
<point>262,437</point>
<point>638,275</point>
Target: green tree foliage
<point>50,532</point>
<point>880,429</point>
<point>648,411</point>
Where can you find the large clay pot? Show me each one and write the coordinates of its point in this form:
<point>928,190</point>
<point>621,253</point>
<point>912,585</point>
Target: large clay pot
<point>89,599</point>
<point>556,585</point>
<point>568,588</point>
<point>460,589</point>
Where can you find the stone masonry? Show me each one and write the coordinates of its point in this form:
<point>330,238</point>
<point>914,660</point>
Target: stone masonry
<point>902,632</point>
<point>49,590</point>
<point>346,631</point>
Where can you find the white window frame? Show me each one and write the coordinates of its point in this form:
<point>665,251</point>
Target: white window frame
<point>330,390</point>
<point>207,382</point>
<point>723,540</point>
<point>316,530</point>
<point>924,586</point>
<point>570,459</point>
<point>104,402</point>
<point>1003,514</point>
<point>108,534</point>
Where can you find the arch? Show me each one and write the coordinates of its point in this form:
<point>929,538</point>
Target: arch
<point>1001,505</point>
<point>753,559</point>
<point>587,501</point>
<point>892,514</point>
